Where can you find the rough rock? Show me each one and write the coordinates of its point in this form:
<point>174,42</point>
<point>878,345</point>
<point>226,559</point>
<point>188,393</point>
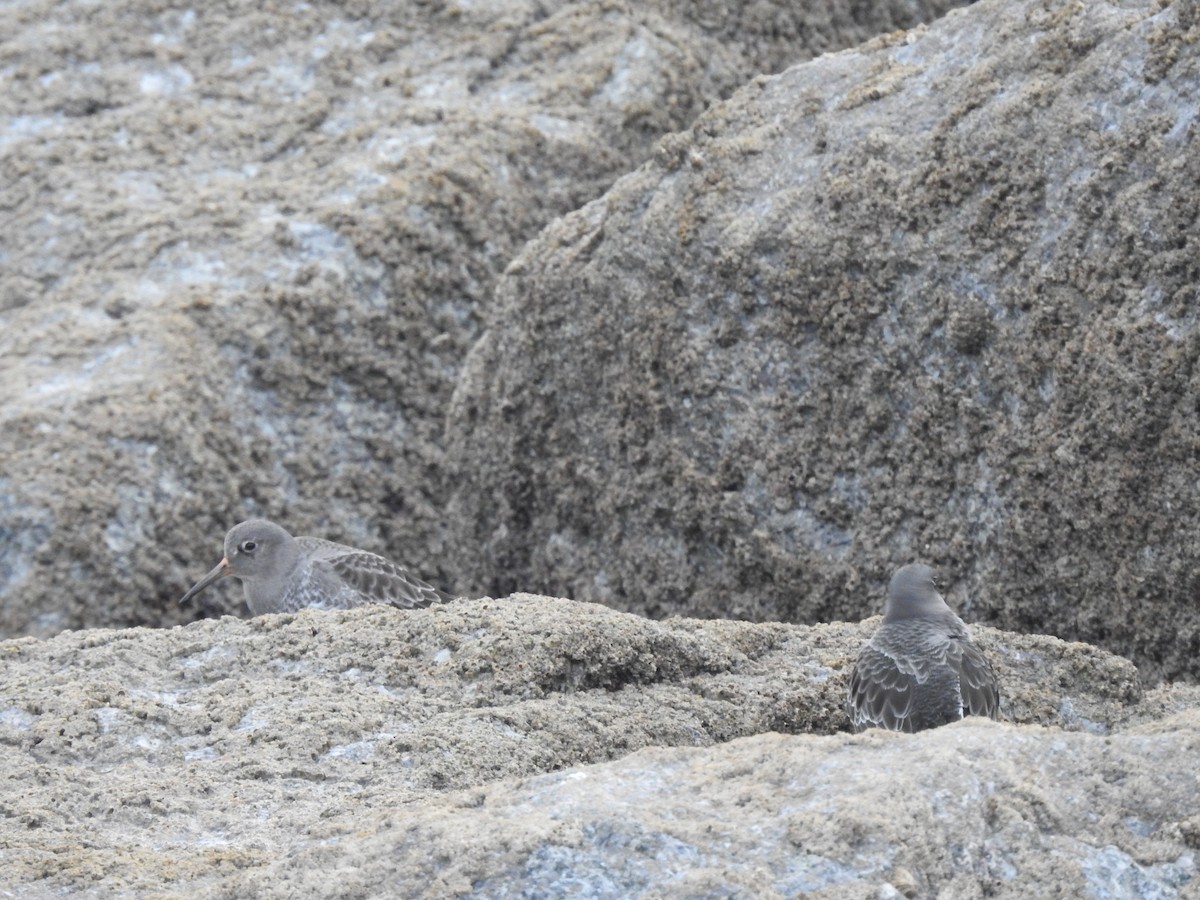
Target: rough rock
<point>245,253</point>
<point>970,811</point>
<point>525,745</point>
<point>930,298</point>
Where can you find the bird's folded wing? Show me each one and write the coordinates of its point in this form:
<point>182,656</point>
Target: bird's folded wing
<point>379,579</point>
<point>977,681</point>
<point>881,692</point>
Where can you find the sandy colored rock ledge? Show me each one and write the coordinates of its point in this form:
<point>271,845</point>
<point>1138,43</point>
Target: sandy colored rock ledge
<point>379,750</point>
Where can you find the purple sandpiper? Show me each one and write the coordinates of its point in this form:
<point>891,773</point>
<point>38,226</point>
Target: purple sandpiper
<point>920,669</point>
<point>281,573</point>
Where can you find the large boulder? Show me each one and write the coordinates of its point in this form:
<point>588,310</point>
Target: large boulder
<point>245,253</point>
<point>930,298</point>
<point>525,744</point>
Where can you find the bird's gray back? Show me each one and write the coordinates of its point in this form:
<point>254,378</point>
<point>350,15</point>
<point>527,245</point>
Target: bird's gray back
<point>920,673</point>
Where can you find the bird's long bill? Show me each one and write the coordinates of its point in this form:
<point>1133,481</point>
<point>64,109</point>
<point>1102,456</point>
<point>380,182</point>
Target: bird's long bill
<point>216,574</point>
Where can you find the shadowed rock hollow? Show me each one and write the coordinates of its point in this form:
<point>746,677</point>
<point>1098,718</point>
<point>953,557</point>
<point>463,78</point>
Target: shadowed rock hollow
<point>930,298</point>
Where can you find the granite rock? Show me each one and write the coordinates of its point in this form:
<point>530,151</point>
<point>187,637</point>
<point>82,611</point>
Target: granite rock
<point>932,298</point>
<point>246,251</point>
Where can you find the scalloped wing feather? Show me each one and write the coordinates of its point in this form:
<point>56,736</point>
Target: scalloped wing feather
<point>881,692</point>
<point>977,681</point>
<point>374,578</point>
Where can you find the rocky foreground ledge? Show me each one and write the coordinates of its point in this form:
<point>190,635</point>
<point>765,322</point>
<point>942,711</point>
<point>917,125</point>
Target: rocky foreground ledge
<point>531,746</point>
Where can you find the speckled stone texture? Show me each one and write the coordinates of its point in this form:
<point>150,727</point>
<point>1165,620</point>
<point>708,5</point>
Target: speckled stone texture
<point>245,251</point>
<point>551,748</point>
<point>933,298</point>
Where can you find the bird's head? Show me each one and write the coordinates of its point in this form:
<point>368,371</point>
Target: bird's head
<point>254,549</point>
<point>912,593</point>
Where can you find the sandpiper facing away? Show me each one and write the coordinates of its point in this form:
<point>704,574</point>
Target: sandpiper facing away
<point>281,573</point>
<point>920,669</point>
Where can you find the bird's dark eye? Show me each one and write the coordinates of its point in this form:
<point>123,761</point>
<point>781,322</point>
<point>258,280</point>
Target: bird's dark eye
<point>248,546</point>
